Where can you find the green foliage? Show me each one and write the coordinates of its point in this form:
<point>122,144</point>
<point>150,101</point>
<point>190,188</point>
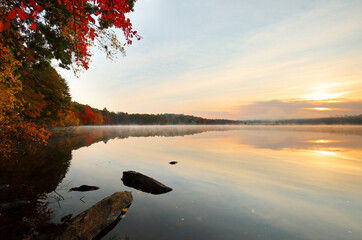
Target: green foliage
<point>45,96</point>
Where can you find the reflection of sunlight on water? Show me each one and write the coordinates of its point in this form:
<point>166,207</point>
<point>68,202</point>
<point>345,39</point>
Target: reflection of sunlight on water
<point>291,181</point>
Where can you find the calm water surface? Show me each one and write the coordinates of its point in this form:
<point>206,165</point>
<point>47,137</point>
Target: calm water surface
<point>230,182</point>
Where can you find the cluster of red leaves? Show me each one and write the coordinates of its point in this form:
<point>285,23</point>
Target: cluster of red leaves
<point>89,117</point>
<point>83,24</point>
<point>28,10</point>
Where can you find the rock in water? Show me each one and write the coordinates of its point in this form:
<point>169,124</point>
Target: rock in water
<point>173,162</point>
<point>144,183</point>
<point>84,188</point>
<point>98,218</point>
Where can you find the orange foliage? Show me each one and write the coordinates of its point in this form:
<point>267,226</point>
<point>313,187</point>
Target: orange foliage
<point>9,82</point>
<point>14,134</point>
<point>67,119</point>
<point>14,131</point>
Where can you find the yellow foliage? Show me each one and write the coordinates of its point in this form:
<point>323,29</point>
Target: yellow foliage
<point>14,131</point>
<point>9,83</point>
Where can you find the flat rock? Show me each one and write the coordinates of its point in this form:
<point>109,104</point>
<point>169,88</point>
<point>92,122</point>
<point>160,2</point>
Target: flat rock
<point>84,188</point>
<point>94,221</point>
<point>144,183</point>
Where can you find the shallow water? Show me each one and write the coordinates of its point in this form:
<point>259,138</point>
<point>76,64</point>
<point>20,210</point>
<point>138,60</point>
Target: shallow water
<point>230,182</point>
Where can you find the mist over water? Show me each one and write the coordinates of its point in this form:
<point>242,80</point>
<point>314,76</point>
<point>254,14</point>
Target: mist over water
<point>230,182</point>
<point>122,131</point>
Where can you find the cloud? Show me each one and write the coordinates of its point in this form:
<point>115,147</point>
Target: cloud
<point>207,57</point>
<point>277,109</point>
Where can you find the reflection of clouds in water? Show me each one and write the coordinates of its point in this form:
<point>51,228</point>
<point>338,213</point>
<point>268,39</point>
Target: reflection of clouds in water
<point>273,137</point>
<point>296,138</point>
<point>267,176</point>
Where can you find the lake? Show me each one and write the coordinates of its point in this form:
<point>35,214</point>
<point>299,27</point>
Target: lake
<point>230,182</point>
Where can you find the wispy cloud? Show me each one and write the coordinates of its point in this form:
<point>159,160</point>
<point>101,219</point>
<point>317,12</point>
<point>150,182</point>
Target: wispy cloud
<point>208,57</point>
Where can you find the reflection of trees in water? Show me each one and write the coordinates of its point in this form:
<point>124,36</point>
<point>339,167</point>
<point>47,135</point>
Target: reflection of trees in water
<point>274,137</point>
<point>55,197</point>
<point>30,177</point>
<point>86,136</point>
<point>78,137</point>
<point>35,175</point>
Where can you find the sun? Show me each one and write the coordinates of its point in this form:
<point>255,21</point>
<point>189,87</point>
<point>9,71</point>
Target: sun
<point>319,109</point>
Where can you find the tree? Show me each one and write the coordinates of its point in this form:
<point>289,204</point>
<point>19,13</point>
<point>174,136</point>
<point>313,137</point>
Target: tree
<point>9,83</point>
<point>34,32</point>
<point>88,117</point>
<point>13,129</point>
<point>45,96</point>
<point>65,29</point>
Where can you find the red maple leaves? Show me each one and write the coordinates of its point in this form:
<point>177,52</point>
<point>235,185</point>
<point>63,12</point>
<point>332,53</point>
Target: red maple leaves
<point>26,11</point>
<point>89,117</point>
<point>83,23</point>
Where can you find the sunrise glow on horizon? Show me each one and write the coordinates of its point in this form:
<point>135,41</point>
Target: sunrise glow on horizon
<point>234,59</point>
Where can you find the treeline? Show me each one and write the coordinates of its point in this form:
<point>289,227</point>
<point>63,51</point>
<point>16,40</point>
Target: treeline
<point>356,120</point>
<point>340,120</point>
<point>189,119</point>
<point>81,114</point>
<point>44,99</point>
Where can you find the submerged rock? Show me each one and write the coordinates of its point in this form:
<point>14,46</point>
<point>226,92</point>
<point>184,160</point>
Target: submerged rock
<point>97,220</point>
<point>144,183</point>
<point>84,188</point>
<point>173,162</point>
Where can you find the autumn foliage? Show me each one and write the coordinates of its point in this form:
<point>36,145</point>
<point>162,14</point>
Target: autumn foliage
<point>78,23</point>
<point>13,128</point>
<point>88,117</point>
<point>32,34</point>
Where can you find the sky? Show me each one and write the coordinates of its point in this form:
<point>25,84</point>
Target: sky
<point>235,59</point>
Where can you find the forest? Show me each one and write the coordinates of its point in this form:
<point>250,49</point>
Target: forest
<point>80,114</point>
<point>36,35</point>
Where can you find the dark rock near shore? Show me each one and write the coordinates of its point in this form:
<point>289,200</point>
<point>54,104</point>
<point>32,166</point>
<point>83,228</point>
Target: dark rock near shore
<point>96,221</point>
<point>144,183</point>
<point>173,162</point>
<point>84,188</point>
